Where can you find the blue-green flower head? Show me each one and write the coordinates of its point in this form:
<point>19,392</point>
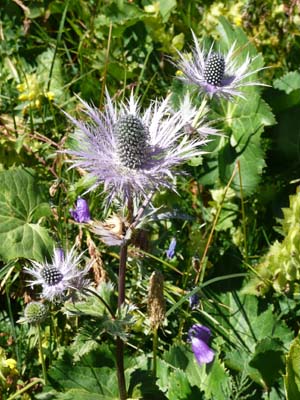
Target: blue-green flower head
<point>59,276</point>
<point>131,152</point>
<point>217,74</point>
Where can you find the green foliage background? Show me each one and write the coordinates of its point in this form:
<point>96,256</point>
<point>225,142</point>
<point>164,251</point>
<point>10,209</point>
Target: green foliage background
<point>51,51</point>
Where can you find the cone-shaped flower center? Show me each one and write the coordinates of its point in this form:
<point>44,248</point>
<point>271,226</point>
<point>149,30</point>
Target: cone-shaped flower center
<point>51,275</point>
<point>132,141</point>
<point>214,69</point>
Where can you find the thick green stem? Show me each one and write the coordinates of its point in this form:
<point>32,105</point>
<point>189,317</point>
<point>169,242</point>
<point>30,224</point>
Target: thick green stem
<point>155,344</point>
<point>42,355</point>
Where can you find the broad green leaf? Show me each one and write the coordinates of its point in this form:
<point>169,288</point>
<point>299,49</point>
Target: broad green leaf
<point>21,208</point>
<point>246,120</point>
<point>289,82</point>
<point>87,377</point>
<point>179,387</point>
<point>254,336</point>
<point>270,349</point>
<point>292,377</point>
<point>166,7</point>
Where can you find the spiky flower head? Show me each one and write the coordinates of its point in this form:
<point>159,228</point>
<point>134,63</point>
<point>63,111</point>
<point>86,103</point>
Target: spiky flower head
<point>34,313</point>
<point>133,152</point>
<point>60,275</point>
<point>215,73</point>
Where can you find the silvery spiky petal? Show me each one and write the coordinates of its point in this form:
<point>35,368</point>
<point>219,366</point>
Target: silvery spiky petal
<point>215,73</point>
<point>59,275</point>
<point>111,231</point>
<point>199,336</point>
<point>130,152</point>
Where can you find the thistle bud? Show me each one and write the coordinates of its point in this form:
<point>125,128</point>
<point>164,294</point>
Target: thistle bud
<point>35,313</point>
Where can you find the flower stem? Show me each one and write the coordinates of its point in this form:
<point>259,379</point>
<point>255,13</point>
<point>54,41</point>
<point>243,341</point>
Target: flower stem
<point>155,344</point>
<point>42,354</point>
<point>201,270</point>
<point>120,343</point>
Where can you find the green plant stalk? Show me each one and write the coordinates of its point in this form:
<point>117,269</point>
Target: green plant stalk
<point>105,67</point>
<point>243,214</point>
<point>201,270</point>
<point>58,40</point>
<point>24,389</point>
<point>155,345</point>
<point>42,354</point>
<point>13,327</point>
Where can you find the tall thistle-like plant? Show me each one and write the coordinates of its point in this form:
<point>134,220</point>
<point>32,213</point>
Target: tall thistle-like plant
<point>134,154</point>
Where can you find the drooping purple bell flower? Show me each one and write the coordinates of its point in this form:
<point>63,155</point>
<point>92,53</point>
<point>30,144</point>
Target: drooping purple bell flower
<point>81,213</point>
<point>199,336</point>
<point>171,250</point>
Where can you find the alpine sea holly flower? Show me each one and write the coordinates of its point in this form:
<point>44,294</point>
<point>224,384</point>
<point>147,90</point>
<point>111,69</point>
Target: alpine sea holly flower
<point>199,336</point>
<point>132,152</point>
<point>81,213</point>
<point>215,73</point>
<point>171,250</point>
<point>60,275</point>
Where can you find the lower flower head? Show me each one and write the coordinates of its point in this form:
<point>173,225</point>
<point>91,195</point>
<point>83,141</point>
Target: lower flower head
<point>133,153</point>
<point>59,276</point>
<point>35,313</point>
<point>199,336</point>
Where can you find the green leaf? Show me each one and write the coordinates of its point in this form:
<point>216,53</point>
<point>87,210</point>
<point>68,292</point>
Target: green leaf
<point>269,349</point>
<point>21,208</point>
<point>179,387</point>
<point>166,7</point>
<point>292,377</point>
<point>253,337</point>
<point>289,82</point>
<point>246,120</point>
<point>87,378</point>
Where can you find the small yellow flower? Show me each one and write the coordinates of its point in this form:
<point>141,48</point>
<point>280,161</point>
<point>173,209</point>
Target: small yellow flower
<point>11,364</point>
<point>49,95</point>
<point>179,73</point>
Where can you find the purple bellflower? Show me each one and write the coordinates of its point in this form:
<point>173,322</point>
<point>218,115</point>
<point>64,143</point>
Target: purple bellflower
<point>199,336</point>
<point>132,152</point>
<point>60,275</point>
<point>215,73</point>
<point>171,250</point>
<point>81,213</point>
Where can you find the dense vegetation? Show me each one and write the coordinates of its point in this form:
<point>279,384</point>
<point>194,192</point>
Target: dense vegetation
<point>210,308</point>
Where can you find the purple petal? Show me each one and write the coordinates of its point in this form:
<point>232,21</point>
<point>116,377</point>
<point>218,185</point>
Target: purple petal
<point>200,332</point>
<point>81,212</point>
<point>171,250</point>
<point>203,353</point>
